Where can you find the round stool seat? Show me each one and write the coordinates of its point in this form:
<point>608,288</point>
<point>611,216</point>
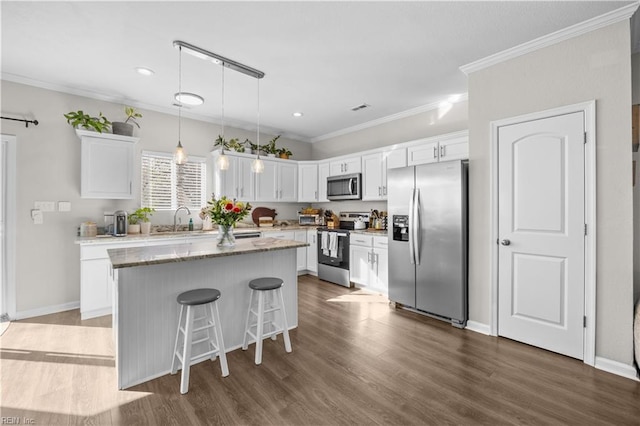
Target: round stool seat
<point>265,284</point>
<point>199,296</point>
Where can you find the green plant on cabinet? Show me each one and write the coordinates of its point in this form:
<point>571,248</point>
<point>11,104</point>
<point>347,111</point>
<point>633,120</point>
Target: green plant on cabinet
<point>78,119</point>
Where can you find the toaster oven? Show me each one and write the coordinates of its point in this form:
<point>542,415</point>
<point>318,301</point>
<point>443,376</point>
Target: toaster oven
<point>309,219</point>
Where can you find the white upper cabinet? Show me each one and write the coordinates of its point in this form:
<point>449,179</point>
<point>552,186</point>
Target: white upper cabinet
<point>432,150</point>
<point>308,182</point>
<point>107,165</point>
<point>278,181</point>
<point>237,181</point>
<point>323,174</point>
<point>345,166</point>
<point>374,172</point>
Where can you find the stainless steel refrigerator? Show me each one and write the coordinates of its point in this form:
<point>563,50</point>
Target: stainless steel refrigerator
<point>427,207</point>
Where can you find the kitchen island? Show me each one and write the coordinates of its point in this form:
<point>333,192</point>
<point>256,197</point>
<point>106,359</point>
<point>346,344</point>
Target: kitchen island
<point>148,279</point>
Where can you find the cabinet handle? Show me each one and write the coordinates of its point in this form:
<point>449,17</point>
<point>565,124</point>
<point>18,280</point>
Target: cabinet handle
<point>435,152</point>
<point>442,154</point>
<point>315,195</point>
<point>384,190</point>
<point>281,194</point>
<point>379,190</point>
<point>368,257</point>
<point>242,192</point>
<point>130,188</point>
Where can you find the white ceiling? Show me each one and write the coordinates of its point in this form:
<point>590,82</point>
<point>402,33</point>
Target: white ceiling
<point>321,58</point>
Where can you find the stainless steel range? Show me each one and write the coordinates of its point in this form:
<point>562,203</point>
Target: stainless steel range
<point>333,248</point>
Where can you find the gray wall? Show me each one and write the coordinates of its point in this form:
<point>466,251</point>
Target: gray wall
<point>446,119</point>
<point>48,169</point>
<point>592,66</point>
<point>635,99</point>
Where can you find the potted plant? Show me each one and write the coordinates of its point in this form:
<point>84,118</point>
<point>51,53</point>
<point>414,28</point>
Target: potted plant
<point>78,119</point>
<point>124,128</point>
<point>284,153</point>
<point>252,146</point>
<point>221,143</point>
<point>270,147</point>
<point>139,220</point>
<point>236,145</point>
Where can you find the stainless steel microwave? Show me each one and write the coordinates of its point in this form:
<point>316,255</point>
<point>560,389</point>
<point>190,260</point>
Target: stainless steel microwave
<point>345,187</point>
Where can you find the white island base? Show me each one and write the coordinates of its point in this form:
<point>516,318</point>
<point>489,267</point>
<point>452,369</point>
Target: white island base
<point>146,312</point>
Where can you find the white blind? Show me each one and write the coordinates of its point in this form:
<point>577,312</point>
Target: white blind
<point>166,186</point>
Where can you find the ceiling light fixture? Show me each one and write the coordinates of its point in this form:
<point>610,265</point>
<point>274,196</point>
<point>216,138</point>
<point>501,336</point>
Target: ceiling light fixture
<point>297,114</point>
<point>186,98</point>
<point>180,155</point>
<point>144,71</point>
<point>218,59</point>
<point>257,166</point>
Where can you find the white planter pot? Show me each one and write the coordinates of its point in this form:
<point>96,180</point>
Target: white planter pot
<point>134,229</point>
<point>145,227</point>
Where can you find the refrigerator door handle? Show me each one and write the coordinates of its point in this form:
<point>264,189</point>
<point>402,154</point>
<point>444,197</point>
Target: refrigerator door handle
<point>411,221</point>
<point>416,226</point>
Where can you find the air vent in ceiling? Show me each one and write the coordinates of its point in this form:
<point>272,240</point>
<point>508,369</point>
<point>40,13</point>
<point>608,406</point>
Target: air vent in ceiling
<point>360,107</point>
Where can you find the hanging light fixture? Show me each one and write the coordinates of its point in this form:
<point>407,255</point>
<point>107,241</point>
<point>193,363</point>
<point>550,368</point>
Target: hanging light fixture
<point>257,166</point>
<point>223,160</point>
<point>179,155</point>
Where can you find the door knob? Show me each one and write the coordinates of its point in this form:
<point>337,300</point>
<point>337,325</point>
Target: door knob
<point>505,242</point>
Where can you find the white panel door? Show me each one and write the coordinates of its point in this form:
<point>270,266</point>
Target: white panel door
<point>288,182</point>
<point>372,177</point>
<point>308,182</point>
<point>267,182</point>
<point>541,233</point>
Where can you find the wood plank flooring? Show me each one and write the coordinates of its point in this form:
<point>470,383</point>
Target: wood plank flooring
<point>355,360</point>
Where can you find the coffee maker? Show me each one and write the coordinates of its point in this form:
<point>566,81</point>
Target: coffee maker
<point>120,224</point>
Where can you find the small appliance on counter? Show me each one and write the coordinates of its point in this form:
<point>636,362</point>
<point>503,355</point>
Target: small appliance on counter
<point>120,224</point>
<point>354,220</point>
<point>311,217</point>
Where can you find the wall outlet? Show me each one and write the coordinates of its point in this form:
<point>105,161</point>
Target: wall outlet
<point>45,206</point>
<point>36,216</point>
<point>64,206</point>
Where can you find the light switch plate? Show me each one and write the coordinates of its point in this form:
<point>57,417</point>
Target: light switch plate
<point>36,215</point>
<point>64,206</point>
<point>45,206</point>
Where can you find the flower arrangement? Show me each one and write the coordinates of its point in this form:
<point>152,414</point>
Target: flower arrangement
<point>224,211</point>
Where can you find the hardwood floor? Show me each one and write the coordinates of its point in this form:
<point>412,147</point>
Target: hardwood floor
<point>355,360</point>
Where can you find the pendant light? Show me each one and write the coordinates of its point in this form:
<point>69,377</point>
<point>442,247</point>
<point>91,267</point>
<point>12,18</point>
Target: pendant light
<point>180,155</point>
<point>257,166</point>
<point>223,160</point>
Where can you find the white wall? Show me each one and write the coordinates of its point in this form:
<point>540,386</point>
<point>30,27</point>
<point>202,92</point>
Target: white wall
<point>593,66</point>
<point>635,99</point>
<point>48,169</point>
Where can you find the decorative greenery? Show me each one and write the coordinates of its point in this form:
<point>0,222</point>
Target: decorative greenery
<point>251,145</point>
<point>284,153</point>
<point>221,142</point>
<point>141,215</point>
<point>80,119</point>
<point>132,114</point>
<point>236,145</point>
<point>270,147</point>
<point>225,212</point>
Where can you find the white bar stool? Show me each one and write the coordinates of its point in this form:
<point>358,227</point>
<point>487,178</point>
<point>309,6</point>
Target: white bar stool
<point>205,297</point>
<point>263,287</point>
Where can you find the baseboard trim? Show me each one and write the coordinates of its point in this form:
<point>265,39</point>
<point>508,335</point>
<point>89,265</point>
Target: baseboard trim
<point>617,368</point>
<point>478,327</point>
<point>47,310</point>
<point>96,313</point>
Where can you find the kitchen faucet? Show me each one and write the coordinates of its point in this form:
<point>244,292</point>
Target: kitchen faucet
<point>176,214</point>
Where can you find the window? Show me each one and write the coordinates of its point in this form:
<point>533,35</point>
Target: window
<point>166,185</point>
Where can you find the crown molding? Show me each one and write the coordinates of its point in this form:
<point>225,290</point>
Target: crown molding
<point>576,30</point>
<point>378,121</point>
<point>186,113</point>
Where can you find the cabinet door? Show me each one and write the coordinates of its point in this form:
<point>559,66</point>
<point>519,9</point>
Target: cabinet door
<point>422,154</point>
<point>107,168</point>
<point>323,174</point>
<point>288,182</point>
<point>301,251</point>
<point>245,179</point>
<point>336,168</point>
<point>226,181</point>
<point>391,160</point>
<point>380,270</point>
<point>372,186</point>
<point>95,296</point>
<point>312,250</point>
<point>353,165</point>
<point>266,182</point>
<point>308,182</point>
<point>454,149</point>
<point>359,266</point>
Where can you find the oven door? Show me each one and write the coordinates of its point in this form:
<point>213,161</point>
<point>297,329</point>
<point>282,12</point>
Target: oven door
<point>341,259</point>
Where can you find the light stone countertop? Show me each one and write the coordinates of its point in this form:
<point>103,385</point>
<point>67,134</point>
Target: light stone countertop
<point>374,232</point>
<point>155,255</point>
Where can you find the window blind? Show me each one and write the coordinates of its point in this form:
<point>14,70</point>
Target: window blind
<point>166,186</point>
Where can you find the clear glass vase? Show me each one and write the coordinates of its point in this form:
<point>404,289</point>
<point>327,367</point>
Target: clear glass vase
<point>225,236</point>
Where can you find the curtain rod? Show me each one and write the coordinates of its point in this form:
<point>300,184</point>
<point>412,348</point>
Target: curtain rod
<point>26,122</point>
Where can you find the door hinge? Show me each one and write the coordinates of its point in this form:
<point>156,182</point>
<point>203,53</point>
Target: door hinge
<point>585,137</point>
<point>585,229</point>
<point>584,321</point>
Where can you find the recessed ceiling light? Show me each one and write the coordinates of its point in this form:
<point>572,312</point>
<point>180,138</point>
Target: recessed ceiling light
<point>189,98</point>
<point>144,71</point>
<point>297,114</point>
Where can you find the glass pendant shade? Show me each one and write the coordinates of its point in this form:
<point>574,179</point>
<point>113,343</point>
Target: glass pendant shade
<point>257,166</point>
<point>180,155</point>
<point>223,161</point>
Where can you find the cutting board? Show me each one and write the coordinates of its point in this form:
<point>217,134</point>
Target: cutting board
<point>262,212</point>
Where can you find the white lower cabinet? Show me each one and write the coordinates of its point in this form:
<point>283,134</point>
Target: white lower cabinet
<point>312,250</point>
<point>368,264</point>
<point>297,236</point>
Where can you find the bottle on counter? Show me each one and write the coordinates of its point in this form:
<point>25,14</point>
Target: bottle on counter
<point>190,224</point>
